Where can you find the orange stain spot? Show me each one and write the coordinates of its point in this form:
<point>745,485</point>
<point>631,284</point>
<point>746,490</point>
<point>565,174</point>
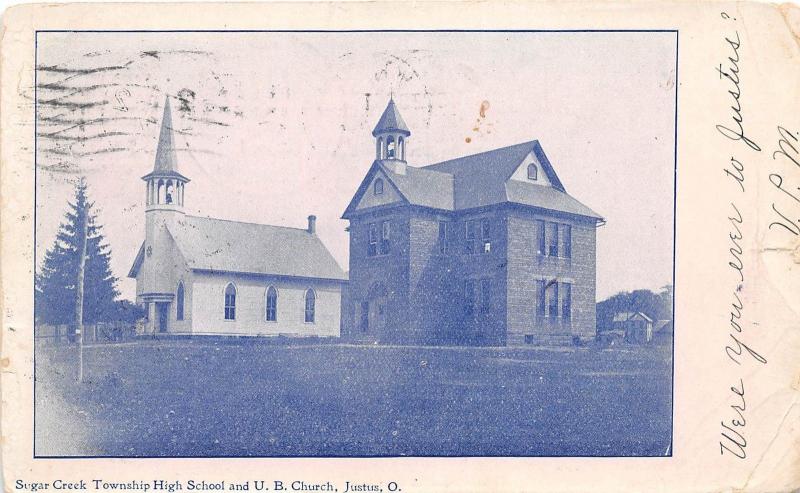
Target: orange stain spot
<point>467,140</point>
<point>484,107</point>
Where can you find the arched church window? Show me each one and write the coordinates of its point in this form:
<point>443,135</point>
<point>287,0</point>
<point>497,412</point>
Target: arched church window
<point>230,302</point>
<point>311,301</point>
<point>390,147</point>
<point>378,186</point>
<point>179,302</point>
<point>533,172</point>
<point>272,304</point>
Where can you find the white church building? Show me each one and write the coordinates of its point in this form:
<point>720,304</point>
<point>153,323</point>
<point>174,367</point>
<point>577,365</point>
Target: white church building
<point>205,276</point>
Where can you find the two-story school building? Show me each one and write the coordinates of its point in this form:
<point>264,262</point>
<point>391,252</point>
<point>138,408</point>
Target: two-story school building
<point>205,276</point>
<point>485,249</point>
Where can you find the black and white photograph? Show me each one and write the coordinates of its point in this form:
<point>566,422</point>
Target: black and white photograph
<point>354,244</point>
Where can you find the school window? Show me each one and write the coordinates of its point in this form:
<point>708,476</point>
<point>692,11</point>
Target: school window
<point>469,297</point>
<point>385,247</point>
<point>541,309</point>
<point>566,241</point>
<point>486,295</point>
<point>230,302</point>
<point>372,249</point>
<point>540,243</point>
<point>486,235</point>
<point>310,312</point>
<point>377,187</point>
<point>378,238</point>
<point>272,304</point>
<point>552,239</point>
<point>551,298</point>
<point>566,301</point>
<point>442,237</point>
<point>469,237</point>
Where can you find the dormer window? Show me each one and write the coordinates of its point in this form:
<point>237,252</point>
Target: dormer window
<point>533,172</point>
<point>377,187</point>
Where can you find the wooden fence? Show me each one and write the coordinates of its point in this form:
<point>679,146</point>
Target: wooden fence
<point>99,333</point>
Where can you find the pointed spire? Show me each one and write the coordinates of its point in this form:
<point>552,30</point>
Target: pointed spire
<point>391,121</point>
<point>165,152</point>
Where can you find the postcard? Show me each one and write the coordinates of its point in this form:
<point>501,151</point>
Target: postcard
<point>400,247</point>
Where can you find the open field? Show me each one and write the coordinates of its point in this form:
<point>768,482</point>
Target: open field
<point>204,398</point>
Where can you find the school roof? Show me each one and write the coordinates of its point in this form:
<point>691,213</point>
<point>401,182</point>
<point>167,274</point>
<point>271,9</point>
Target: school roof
<point>478,180</point>
<point>230,246</point>
<point>391,121</point>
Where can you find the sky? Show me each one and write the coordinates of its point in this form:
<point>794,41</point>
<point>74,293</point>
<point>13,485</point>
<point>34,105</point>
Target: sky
<point>272,127</point>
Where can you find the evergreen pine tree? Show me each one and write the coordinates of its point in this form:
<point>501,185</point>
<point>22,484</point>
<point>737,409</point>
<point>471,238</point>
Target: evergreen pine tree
<point>56,282</point>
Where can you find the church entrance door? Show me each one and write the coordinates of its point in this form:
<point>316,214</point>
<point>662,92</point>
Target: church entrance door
<point>163,316</point>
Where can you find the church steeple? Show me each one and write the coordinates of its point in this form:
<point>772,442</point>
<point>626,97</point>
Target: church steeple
<point>165,186</point>
<point>165,152</point>
<point>390,135</point>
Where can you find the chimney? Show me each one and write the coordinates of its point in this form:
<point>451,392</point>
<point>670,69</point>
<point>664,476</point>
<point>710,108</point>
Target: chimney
<point>312,224</point>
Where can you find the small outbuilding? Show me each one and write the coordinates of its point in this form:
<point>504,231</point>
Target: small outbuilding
<point>637,326</point>
<point>662,332</point>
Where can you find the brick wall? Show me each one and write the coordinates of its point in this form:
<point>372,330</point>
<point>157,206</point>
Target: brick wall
<point>389,271</point>
<point>432,282</point>
<point>526,266</point>
<point>426,289</point>
<point>484,328</point>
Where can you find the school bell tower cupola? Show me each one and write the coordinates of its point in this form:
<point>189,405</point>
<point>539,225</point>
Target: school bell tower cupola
<point>165,186</point>
<point>391,134</point>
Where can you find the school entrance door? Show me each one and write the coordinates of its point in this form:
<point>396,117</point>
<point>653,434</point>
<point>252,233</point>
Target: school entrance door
<point>373,310</point>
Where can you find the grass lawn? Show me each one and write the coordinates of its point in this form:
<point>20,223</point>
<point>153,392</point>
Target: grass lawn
<point>200,398</point>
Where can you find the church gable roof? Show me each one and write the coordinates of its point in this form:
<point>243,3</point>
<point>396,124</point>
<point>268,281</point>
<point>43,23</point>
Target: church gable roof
<point>137,262</point>
<point>232,246</point>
